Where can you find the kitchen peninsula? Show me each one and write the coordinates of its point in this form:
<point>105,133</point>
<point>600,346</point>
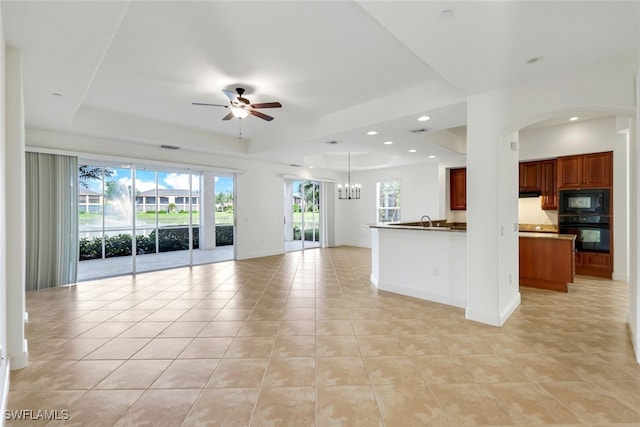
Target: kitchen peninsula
<point>419,261</point>
<point>429,262</point>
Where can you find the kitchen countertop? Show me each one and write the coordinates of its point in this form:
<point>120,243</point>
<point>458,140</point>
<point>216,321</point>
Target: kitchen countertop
<point>416,226</point>
<point>547,235</point>
<point>539,228</point>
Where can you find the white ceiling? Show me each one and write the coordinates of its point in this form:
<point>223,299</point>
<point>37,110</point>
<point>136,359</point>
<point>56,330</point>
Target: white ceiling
<point>130,70</point>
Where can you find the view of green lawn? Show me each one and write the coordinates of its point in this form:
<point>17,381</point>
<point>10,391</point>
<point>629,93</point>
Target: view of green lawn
<point>164,218</point>
<point>182,218</point>
<point>309,217</point>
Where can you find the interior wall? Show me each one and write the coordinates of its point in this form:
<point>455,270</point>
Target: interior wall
<point>4,374</point>
<point>588,136</point>
<point>419,195</point>
<point>259,197</point>
<point>16,232</point>
<point>634,228</point>
<point>492,118</point>
<point>530,212</point>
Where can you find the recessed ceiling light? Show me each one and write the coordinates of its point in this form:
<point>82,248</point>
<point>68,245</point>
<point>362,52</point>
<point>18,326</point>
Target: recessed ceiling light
<point>533,60</point>
<point>446,14</point>
<point>573,119</point>
<point>432,156</point>
<point>413,150</point>
<point>423,118</point>
<point>388,142</point>
<point>372,132</point>
<point>310,167</point>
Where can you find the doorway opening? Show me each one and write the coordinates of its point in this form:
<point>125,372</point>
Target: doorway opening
<point>302,215</point>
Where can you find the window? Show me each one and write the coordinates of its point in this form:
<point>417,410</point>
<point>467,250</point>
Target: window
<point>388,201</point>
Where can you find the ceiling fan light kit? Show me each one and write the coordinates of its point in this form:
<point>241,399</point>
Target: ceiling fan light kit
<point>238,112</point>
<point>241,107</point>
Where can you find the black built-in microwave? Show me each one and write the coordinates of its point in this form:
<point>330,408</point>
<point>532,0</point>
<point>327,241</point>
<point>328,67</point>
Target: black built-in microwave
<point>583,202</point>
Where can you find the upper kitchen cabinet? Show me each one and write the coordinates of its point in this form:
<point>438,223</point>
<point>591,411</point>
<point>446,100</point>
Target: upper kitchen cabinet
<point>586,171</point>
<point>530,177</point>
<point>458,189</point>
<point>549,200</point>
<point>597,169</point>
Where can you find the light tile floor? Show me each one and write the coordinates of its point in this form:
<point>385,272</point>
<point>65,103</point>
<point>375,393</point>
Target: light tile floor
<point>303,339</point>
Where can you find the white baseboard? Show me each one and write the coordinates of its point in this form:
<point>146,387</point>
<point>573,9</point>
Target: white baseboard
<point>374,280</point>
<point>510,308</point>
<point>356,244</point>
<point>633,337</point>
<point>620,277</point>
<point>20,360</point>
<point>494,319</point>
<point>4,382</point>
<point>491,319</point>
<point>422,294</point>
<point>251,255</point>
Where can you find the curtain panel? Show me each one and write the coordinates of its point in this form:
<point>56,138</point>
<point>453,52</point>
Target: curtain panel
<point>51,220</point>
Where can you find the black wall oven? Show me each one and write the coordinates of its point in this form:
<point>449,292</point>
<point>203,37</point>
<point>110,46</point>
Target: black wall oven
<point>592,231</point>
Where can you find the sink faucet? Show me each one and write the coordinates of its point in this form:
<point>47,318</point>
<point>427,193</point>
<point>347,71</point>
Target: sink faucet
<point>428,219</point>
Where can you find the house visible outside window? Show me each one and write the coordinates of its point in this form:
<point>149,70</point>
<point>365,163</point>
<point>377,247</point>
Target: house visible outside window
<point>388,201</point>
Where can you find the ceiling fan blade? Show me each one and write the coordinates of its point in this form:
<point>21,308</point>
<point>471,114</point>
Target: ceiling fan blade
<point>259,114</point>
<point>245,101</point>
<point>267,105</point>
<point>228,116</point>
<point>230,95</point>
<point>209,105</point>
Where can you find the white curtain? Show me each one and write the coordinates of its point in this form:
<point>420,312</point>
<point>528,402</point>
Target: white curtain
<point>52,220</point>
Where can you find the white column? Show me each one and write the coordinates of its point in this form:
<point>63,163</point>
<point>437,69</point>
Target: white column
<point>208,211</point>
<point>492,215</point>
<point>621,201</point>
<point>288,215</point>
<point>4,374</point>
<point>15,218</point>
<point>634,228</point>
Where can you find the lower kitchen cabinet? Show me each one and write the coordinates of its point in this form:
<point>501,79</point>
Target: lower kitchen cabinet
<point>546,260</point>
<point>594,264</point>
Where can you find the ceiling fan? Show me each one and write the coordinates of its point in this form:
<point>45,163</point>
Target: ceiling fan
<point>241,107</point>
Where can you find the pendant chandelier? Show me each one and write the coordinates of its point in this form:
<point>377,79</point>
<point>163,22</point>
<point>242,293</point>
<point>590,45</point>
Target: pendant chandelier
<point>351,191</point>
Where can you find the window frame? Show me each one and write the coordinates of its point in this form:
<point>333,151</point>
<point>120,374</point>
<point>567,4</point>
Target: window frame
<point>380,208</point>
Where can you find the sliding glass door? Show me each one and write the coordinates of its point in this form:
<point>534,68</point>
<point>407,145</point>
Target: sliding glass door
<point>302,214</point>
<point>163,209</point>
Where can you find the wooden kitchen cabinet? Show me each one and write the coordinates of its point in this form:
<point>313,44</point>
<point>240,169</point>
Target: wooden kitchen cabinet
<point>530,176</point>
<point>586,171</point>
<point>546,262</point>
<point>458,189</point>
<point>597,170</point>
<point>549,185</point>
<point>594,264</point>
<point>570,172</point>
<point>579,261</point>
